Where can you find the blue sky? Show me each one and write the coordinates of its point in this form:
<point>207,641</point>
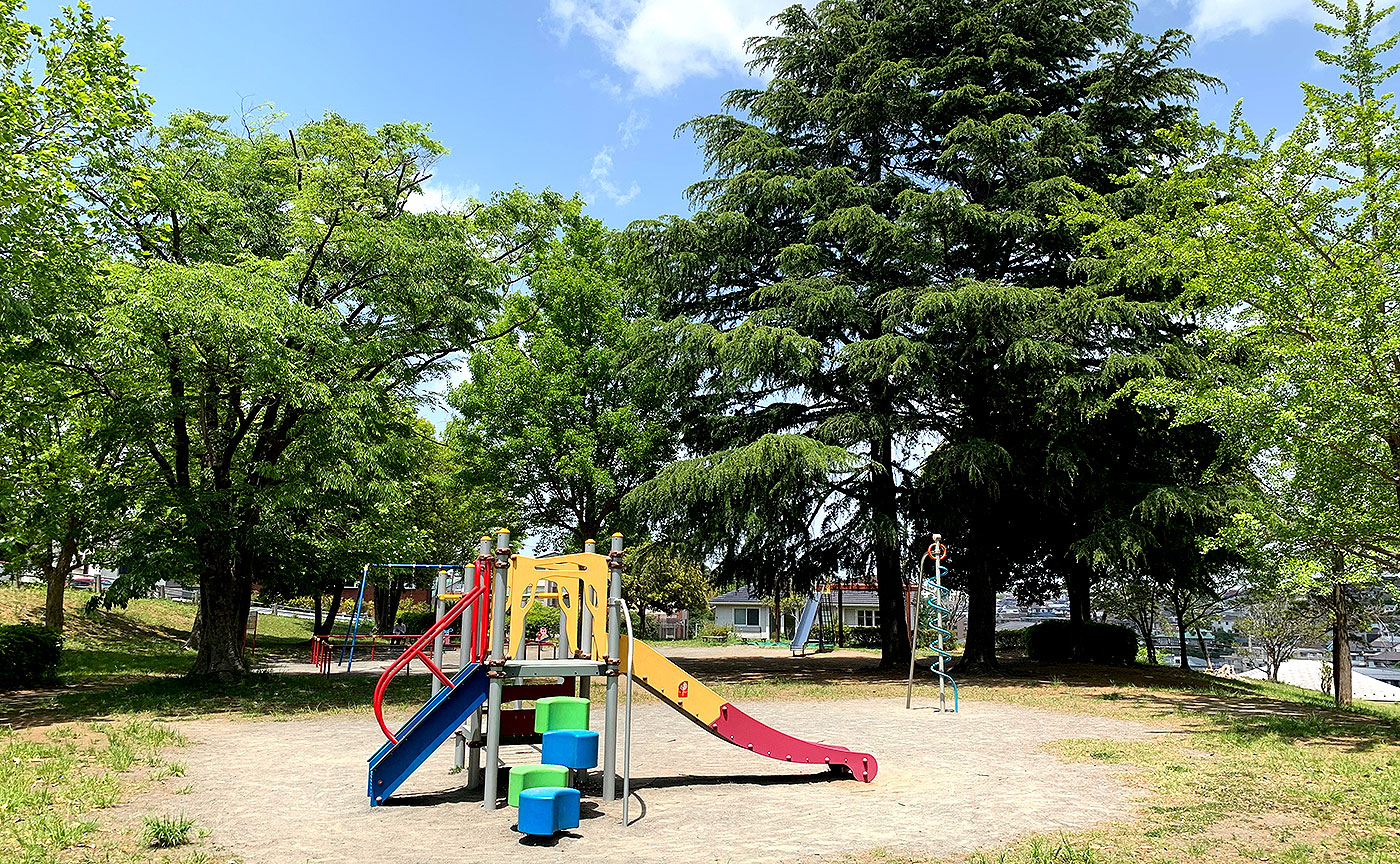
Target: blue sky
<point>574,95</point>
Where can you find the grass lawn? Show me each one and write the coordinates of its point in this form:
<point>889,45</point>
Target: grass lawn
<point>56,781</point>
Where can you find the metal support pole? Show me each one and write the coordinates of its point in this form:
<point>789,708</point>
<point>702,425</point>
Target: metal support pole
<point>459,750</point>
<point>614,641</point>
<point>498,653</point>
<point>440,607</point>
<point>914,627</point>
<point>354,622</point>
<point>627,717</point>
<point>474,751</point>
<point>585,625</point>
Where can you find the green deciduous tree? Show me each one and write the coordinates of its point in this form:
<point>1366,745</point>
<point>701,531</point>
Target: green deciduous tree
<point>1289,249</point>
<point>558,413</point>
<point>658,577</point>
<point>270,307</point>
<point>68,96</point>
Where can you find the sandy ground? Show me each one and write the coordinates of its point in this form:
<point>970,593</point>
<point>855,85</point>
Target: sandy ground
<point>294,791</point>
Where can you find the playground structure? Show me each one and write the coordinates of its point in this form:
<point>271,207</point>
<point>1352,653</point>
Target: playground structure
<point>936,602</point>
<point>818,613</point>
<point>489,610</point>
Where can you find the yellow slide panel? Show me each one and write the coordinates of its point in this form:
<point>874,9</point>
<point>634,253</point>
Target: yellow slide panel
<point>671,683</point>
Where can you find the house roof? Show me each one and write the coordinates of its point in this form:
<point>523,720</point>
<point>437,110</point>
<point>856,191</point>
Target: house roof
<point>744,596</point>
<point>1308,675</point>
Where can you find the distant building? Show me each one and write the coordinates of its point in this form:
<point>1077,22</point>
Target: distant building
<point>1308,675</point>
<point>751,616</point>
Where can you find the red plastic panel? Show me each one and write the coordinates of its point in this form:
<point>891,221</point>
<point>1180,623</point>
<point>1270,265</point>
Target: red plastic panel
<point>517,721</point>
<point>740,729</point>
<point>512,692</point>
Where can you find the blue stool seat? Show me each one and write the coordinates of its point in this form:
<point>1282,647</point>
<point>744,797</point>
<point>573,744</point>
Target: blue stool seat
<point>547,809</point>
<point>572,748</point>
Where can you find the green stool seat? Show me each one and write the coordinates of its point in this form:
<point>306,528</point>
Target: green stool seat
<point>524,777</point>
<point>561,712</point>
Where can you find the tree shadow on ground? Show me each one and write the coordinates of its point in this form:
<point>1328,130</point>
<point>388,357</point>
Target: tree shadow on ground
<point>688,780</point>
<point>1250,717</point>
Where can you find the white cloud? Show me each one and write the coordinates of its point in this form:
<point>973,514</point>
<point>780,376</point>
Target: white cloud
<point>601,177</point>
<point>1213,18</point>
<point>441,198</point>
<point>629,128</point>
<point>660,43</point>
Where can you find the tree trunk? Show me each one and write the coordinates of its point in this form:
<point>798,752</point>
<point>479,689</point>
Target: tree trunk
<point>196,629</point>
<point>775,633</point>
<point>980,648</point>
<point>324,627</point>
<point>1145,627</point>
<point>840,617</point>
<point>889,581</point>
<point>1078,579</point>
<point>57,577</point>
<point>1201,641</point>
<point>225,592</point>
<point>1181,639</point>
<point>386,604</point>
<point>1341,644</point>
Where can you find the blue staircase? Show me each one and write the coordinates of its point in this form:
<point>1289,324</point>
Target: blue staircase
<point>434,723</point>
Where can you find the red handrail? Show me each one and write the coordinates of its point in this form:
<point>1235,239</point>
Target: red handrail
<point>475,598</point>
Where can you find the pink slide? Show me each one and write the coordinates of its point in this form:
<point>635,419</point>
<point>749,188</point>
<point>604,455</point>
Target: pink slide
<point>741,730</point>
<point>703,706</point>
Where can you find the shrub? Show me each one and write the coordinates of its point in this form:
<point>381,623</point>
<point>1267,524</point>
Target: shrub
<point>416,617</point>
<point>712,630</point>
<point>28,653</point>
<point>863,637</point>
<point>1062,641</point>
<point>1011,640</point>
<point>542,616</point>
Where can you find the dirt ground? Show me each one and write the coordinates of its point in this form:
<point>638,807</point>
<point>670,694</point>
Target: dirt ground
<point>294,791</point>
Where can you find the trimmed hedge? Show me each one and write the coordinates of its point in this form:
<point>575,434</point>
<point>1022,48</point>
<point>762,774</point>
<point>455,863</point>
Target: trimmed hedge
<point>1062,641</point>
<point>416,617</point>
<point>28,654</point>
<point>1011,640</point>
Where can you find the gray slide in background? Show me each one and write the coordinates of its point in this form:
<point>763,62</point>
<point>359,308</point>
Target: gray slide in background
<point>804,626</point>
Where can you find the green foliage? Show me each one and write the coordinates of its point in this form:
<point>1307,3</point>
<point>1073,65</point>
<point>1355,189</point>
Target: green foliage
<point>850,289</point>
<point>717,632</point>
<point>555,411</point>
<point>1089,642</point>
<point>166,832</point>
<point>416,617</point>
<point>542,616</point>
<point>863,637</point>
<point>659,577</point>
<point>1011,640</point>
<point>69,96</point>
<point>28,654</point>
<point>1283,244</point>
<point>262,334</point>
